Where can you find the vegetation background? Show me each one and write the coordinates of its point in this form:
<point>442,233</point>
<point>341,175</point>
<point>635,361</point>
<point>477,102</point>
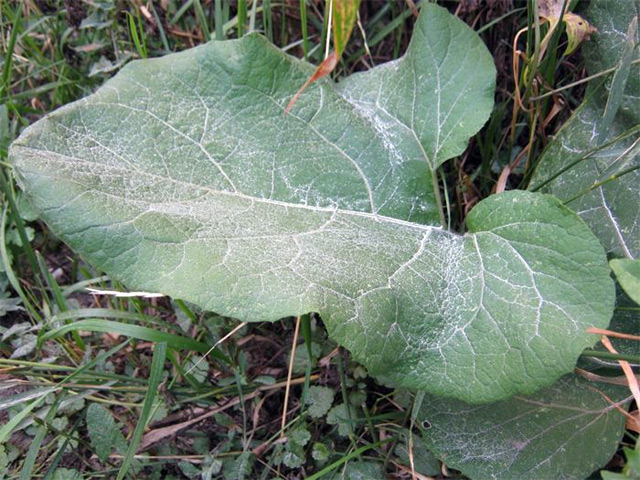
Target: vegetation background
<point>270,401</point>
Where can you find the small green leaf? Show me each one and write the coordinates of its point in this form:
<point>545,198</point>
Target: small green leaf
<point>320,453</point>
<point>213,466</point>
<point>348,458</point>
<point>238,468</point>
<point>103,431</point>
<point>198,368</point>
<point>565,431</point>
<point>302,361</point>
<point>319,400</point>
<point>295,455</point>
<point>631,469</point>
<point>339,415</point>
<point>300,436</point>
<point>189,470</point>
<point>628,275</point>
<point>18,328</point>
<point>26,212</point>
<point>264,380</point>
<point>23,345</point>
<point>292,460</point>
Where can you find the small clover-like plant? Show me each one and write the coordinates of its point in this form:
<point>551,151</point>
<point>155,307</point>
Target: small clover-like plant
<point>181,175</point>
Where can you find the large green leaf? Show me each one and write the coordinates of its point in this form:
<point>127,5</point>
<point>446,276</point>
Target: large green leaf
<point>611,210</point>
<point>436,94</point>
<point>565,431</point>
<point>182,176</point>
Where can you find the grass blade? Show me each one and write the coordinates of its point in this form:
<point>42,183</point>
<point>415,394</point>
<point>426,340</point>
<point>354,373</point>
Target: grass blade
<point>202,20</point>
<point>8,427</point>
<point>242,16</point>
<point>6,185</point>
<point>586,155</point>
<point>346,458</point>
<point>134,331</point>
<point>157,366</point>
<point>600,183</point>
<point>253,16</point>
<point>84,313</point>
<point>385,31</point>
<point>56,459</point>
<point>267,19</point>
<point>16,420</point>
<point>5,262</point>
<point>51,283</point>
<point>11,400</point>
<point>303,26</point>
<point>219,21</point>
<point>36,443</point>
<point>161,32</point>
<point>138,39</point>
<point>8,56</point>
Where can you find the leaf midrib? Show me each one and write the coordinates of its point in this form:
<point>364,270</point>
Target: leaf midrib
<point>334,210</point>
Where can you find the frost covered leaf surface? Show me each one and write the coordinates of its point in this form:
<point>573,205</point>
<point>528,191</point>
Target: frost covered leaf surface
<point>182,176</point>
<point>565,431</point>
<point>611,210</point>
<point>435,96</point>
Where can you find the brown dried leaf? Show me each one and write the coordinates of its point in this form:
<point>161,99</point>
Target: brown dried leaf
<point>577,28</point>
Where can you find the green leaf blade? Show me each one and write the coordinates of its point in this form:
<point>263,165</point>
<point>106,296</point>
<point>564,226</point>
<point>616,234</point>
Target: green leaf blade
<point>134,331</point>
<point>103,431</point>
<point>439,94</point>
<point>155,377</point>
<point>567,431</point>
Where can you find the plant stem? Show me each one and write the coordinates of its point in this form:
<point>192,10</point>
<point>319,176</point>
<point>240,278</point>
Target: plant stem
<point>611,356</point>
<point>603,182</point>
<point>579,82</point>
<point>438,197</point>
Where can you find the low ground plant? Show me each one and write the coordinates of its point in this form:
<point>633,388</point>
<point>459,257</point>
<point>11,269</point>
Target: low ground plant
<point>464,295</point>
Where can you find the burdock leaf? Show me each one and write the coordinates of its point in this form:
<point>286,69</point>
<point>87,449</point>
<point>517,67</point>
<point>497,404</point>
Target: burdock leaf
<point>565,431</point>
